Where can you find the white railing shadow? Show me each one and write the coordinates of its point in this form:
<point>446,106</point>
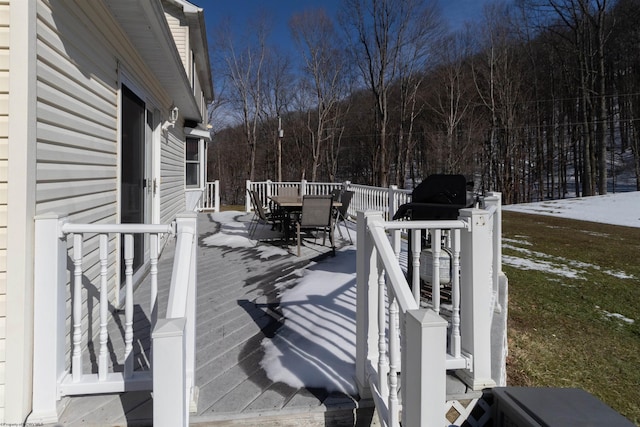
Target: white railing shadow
<point>61,334</point>
<point>406,337</point>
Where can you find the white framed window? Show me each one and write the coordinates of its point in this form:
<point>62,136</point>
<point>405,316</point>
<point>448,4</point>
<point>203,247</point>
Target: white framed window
<point>192,162</point>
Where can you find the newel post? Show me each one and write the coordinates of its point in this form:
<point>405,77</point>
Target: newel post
<point>476,291</point>
<point>169,382</point>
<point>187,222</point>
<point>424,372</point>
<point>216,196</point>
<point>49,302</point>
<point>494,200</point>
<point>247,199</point>
<point>366,303</point>
<point>393,189</point>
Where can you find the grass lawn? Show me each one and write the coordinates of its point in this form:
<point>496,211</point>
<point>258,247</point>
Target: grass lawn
<point>574,307</point>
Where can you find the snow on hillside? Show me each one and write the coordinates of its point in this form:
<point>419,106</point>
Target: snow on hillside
<point>614,208</point>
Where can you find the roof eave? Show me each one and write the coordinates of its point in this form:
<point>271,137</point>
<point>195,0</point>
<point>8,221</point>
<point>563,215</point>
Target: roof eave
<point>161,49</point>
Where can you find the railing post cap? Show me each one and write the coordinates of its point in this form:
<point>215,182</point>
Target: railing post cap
<point>427,318</point>
<point>470,212</point>
<point>187,215</point>
<point>166,328</point>
<point>48,215</point>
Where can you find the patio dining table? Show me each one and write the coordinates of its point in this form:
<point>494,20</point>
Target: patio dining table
<point>291,205</point>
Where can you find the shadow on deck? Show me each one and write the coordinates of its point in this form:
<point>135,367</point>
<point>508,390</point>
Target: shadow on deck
<point>238,294</point>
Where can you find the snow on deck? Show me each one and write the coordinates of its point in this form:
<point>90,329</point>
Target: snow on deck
<point>250,362</point>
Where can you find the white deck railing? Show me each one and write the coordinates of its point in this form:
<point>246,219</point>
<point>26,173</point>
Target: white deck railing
<point>92,271</point>
<point>266,189</point>
<point>386,200</point>
<point>401,331</point>
<point>211,197</point>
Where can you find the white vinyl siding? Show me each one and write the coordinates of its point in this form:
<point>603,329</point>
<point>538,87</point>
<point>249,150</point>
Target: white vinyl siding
<point>82,56</point>
<point>77,118</point>
<point>4,135</point>
<point>78,81</point>
<point>172,197</point>
<point>77,107</point>
<point>180,34</point>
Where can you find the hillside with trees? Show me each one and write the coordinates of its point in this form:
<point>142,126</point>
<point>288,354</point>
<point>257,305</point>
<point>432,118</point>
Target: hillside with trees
<point>537,99</point>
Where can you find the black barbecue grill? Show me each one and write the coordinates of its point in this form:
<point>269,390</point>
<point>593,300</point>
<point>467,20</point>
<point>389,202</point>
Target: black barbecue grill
<point>438,197</point>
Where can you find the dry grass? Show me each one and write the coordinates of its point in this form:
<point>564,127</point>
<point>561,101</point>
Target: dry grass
<point>232,208</point>
<point>574,321</point>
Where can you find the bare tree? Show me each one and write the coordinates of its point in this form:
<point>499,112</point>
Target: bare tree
<point>324,69</point>
<point>277,86</point>
<point>498,79</point>
<point>452,96</point>
<point>244,69</point>
<point>380,32</point>
<point>581,25</point>
<point>415,63</point>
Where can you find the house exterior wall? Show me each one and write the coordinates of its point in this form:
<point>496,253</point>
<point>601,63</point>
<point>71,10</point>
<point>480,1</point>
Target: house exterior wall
<point>4,152</point>
<point>180,33</point>
<point>20,199</point>
<point>59,151</point>
<point>172,159</point>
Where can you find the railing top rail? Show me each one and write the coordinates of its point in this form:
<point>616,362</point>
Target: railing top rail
<point>177,305</point>
<point>413,225</point>
<point>68,228</point>
<point>492,210</point>
<point>386,254</point>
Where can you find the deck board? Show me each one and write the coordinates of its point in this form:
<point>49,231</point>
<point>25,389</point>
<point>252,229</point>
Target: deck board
<point>237,307</point>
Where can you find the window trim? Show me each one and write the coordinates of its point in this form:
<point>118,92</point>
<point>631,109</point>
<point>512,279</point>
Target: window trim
<point>197,162</point>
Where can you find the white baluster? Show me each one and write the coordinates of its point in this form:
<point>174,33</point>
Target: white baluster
<point>383,363</point>
<point>394,355</point>
<point>153,272</point>
<point>76,360</point>
<point>128,306</point>
<point>396,240</point>
<point>455,294</point>
<point>416,246</point>
<point>104,305</point>
<point>435,281</point>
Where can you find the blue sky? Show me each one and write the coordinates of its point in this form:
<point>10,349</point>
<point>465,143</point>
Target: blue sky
<point>240,11</point>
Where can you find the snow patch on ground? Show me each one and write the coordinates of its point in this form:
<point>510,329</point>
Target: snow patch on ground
<point>616,316</point>
<point>614,208</point>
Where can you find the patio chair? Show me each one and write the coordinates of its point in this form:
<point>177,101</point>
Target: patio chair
<point>341,213</point>
<point>316,214</point>
<point>287,191</point>
<point>336,193</point>
<point>282,192</point>
<point>260,216</point>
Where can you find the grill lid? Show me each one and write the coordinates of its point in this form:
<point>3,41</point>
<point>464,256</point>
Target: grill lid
<point>439,196</point>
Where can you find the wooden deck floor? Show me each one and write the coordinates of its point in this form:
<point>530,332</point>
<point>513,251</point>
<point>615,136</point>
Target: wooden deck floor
<point>238,290</point>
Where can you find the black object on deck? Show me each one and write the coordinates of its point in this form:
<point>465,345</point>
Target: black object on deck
<point>552,407</point>
<point>437,197</point>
